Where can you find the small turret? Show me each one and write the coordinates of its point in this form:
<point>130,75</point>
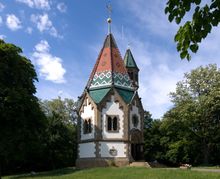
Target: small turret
<point>132,68</point>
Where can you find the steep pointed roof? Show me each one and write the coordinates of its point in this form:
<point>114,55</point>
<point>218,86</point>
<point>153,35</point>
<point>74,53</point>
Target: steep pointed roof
<point>109,69</point>
<point>129,60</point>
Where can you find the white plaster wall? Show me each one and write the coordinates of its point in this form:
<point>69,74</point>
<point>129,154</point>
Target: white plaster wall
<point>87,113</point>
<point>87,150</point>
<point>106,146</point>
<point>135,111</point>
<point>112,108</point>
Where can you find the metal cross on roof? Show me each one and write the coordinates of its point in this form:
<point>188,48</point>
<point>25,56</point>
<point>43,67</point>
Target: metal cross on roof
<point>129,45</point>
<point>109,20</point>
<point>109,7</point>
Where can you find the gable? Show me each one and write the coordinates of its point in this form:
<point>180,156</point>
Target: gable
<point>137,100</point>
<point>85,100</point>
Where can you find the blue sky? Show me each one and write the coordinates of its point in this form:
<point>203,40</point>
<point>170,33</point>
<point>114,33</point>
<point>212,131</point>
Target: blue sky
<point>63,38</point>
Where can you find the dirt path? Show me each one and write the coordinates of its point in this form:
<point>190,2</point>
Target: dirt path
<point>206,170</point>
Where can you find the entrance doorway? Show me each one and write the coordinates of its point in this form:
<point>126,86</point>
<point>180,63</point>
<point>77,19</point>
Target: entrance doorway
<point>136,145</point>
<point>136,151</point>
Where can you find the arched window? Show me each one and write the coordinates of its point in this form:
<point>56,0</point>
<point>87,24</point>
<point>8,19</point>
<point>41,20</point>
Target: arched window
<point>112,123</point>
<point>135,120</point>
<point>87,126</point>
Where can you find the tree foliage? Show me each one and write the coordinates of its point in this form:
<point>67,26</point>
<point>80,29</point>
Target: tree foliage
<point>61,144</point>
<point>22,122</point>
<point>196,110</point>
<point>152,137</point>
<point>204,18</point>
<point>190,131</point>
<point>33,137</point>
<point>66,109</point>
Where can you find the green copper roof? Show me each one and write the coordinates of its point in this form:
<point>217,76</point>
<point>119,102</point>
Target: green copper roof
<point>98,94</point>
<point>129,60</point>
<point>126,95</point>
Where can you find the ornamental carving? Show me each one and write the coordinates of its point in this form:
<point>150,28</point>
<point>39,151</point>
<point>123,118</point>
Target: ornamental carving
<point>113,152</point>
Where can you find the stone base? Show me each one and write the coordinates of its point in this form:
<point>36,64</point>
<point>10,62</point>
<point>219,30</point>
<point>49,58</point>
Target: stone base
<point>101,162</point>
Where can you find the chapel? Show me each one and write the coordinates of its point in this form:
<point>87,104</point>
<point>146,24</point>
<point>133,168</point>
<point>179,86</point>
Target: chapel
<point>110,123</point>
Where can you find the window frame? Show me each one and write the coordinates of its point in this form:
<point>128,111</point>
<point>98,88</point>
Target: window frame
<point>112,117</point>
<point>87,125</point>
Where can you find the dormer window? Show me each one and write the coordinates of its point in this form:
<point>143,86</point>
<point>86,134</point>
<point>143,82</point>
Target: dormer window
<point>112,123</point>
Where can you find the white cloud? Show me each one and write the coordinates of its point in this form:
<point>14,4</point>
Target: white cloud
<point>39,4</point>
<point>2,37</point>
<point>44,24</point>
<point>42,47</point>
<point>50,67</point>
<point>62,7</point>
<point>150,16</point>
<point>2,6</point>
<point>13,22</point>
<point>42,21</point>
<point>29,30</point>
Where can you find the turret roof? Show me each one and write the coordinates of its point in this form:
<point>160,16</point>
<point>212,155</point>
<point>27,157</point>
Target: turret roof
<point>109,69</point>
<point>109,72</point>
<point>129,60</point>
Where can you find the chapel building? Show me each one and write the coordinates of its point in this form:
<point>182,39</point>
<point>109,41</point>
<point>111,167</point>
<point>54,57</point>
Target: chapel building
<point>110,126</point>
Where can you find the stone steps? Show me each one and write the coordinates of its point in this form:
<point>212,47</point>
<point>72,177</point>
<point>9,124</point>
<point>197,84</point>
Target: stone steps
<point>139,164</point>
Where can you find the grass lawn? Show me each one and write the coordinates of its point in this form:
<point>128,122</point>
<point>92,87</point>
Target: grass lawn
<point>208,167</point>
<point>121,173</point>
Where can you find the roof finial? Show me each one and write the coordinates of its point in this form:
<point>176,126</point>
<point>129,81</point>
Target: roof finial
<point>129,45</point>
<point>109,20</point>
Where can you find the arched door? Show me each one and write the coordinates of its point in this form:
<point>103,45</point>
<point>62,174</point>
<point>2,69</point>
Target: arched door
<point>136,144</point>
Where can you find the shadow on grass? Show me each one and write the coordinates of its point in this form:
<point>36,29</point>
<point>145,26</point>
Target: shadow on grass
<point>58,172</point>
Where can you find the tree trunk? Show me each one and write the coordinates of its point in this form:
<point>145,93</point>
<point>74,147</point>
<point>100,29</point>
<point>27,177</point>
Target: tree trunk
<point>205,152</point>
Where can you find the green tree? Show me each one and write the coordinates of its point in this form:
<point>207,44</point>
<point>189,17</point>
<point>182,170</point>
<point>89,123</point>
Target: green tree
<point>66,108</point>
<point>177,138</point>
<point>196,109</point>
<point>22,122</point>
<point>61,144</point>
<point>204,18</point>
<point>152,137</point>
